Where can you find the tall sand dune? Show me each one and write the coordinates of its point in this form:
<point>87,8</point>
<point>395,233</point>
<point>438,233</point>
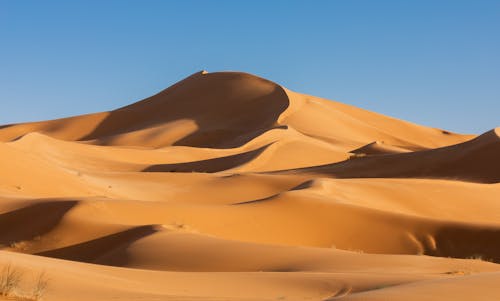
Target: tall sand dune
<point>227,186</point>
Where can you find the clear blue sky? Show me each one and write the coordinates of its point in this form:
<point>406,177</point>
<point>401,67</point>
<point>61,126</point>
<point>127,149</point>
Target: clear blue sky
<point>436,63</point>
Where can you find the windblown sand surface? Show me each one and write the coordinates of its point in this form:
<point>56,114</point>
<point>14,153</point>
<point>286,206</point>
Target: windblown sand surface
<point>226,186</point>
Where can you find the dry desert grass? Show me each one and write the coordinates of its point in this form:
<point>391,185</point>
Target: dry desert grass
<point>10,284</point>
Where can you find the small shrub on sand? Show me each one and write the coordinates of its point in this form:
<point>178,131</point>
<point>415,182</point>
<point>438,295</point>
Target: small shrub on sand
<point>10,280</point>
<point>40,286</point>
<point>479,257</point>
<point>356,155</point>
<point>458,272</point>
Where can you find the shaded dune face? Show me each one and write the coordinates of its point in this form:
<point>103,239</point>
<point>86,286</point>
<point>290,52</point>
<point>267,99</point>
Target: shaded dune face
<point>291,196</point>
<point>208,165</point>
<point>475,160</point>
<point>379,148</point>
<point>466,242</point>
<point>32,221</point>
<point>227,109</point>
<point>91,251</point>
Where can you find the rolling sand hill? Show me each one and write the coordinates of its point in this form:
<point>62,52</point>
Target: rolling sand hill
<point>227,186</point>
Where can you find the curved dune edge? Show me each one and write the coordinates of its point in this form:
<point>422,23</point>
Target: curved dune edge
<point>227,186</point>
<point>379,148</point>
<point>189,113</point>
<point>475,160</point>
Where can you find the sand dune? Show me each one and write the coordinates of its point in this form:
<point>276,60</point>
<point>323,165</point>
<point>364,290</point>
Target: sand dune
<point>474,160</point>
<point>379,148</point>
<point>227,186</point>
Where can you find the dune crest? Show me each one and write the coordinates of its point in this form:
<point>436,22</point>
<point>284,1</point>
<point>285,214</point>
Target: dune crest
<point>228,186</point>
